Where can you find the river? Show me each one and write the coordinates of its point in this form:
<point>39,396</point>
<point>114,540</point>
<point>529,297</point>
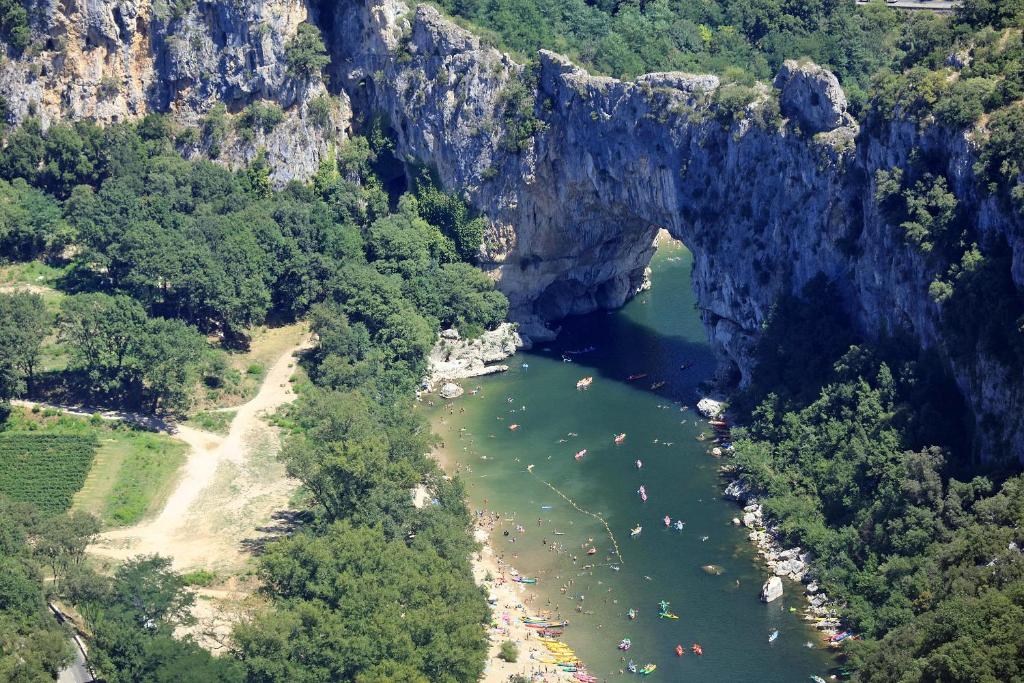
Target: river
<point>654,334</point>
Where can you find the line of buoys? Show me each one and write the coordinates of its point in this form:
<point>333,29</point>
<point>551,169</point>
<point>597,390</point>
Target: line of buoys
<point>570,501</point>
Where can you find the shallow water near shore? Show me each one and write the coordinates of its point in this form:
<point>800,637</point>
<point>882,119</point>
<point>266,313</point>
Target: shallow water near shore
<point>654,334</point>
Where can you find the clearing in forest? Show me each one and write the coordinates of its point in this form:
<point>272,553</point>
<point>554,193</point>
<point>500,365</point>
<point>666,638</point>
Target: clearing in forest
<point>230,490</point>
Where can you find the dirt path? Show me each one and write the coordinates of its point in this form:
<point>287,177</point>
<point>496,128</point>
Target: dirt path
<point>230,487</point>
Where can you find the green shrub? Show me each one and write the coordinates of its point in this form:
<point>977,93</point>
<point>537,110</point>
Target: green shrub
<point>320,111</point>
<point>14,24</point>
<point>259,117</point>
<point>305,53</point>
<point>215,129</point>
<point>199,577</point>
<point>509,651</point>
<point>109,87</point>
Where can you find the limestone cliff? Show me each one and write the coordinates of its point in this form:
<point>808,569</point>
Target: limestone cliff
<point>576,189</point>
<point>768,187</point>
<point>116,60</point>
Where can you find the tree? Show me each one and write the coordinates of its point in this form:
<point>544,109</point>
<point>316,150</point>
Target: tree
<point>305,53</point>
<point>34,646</point>
<point>354,604</point>
<point>61,541</point>
<point>103,334</point>
<point>24,324</point>
<point>31,223</point>
<point>134,627</point>
<point>169,360</point>
<point>24,152</point>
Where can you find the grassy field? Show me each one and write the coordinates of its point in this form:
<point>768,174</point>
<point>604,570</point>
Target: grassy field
<point>132,471</point>
<point>215,421</point>
<point>132,476</point>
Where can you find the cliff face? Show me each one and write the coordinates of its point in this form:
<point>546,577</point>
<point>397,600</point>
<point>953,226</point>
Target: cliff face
<point>575,172</point>
<point>765,206</point>
<point>116,60</point>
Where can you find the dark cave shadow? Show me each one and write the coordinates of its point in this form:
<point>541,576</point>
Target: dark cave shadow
<point>625,347</point>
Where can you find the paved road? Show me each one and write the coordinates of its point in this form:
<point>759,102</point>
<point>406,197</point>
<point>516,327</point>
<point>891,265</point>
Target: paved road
<point>931,5</point>
<point>78,670</point>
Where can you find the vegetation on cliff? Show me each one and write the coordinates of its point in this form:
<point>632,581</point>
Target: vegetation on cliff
<point>858,454</point>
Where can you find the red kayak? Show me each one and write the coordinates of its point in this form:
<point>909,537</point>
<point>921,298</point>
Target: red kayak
<point>679,650</point>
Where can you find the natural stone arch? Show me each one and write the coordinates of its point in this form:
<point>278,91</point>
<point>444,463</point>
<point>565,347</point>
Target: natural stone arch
<point>765,205</point>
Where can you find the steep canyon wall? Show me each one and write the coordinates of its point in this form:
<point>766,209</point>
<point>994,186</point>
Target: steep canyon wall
<point>574,172</point>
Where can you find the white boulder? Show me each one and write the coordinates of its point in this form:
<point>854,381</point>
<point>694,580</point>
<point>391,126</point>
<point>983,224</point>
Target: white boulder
<point>772,589</point>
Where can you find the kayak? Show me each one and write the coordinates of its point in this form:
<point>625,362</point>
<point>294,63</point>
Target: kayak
<point>668,615</point>
<point>635,531</point>
<point>697,649</point>
<point>648,669</point>
<point>523,579</point>
<point>639,375</point>
<point>679,525</point>
<point>774,634</point>
<point>513,427</point>
<point>579,456</point>
<point>679,650</point>
<point>667,520</point>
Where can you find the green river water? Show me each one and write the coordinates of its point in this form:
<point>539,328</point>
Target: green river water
<point>655,333</point>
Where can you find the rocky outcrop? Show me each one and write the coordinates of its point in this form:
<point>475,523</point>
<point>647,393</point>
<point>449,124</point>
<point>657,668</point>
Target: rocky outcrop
<point>772,589</point>
<point>576,187</point>
<point>117,60</point>
<point>812,96</point>
<point>456,358</point>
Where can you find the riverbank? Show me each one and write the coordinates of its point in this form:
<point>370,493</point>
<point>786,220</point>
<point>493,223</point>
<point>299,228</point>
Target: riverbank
<point>510,601</point>
<point>515,444</point>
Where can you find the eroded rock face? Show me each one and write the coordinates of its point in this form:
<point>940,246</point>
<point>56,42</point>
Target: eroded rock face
<point>577,183</point>
<point>117,60</point>
<point>765,207</point>
<point>812,95</point>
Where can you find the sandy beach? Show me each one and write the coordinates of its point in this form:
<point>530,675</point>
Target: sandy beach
<point>510,601</point>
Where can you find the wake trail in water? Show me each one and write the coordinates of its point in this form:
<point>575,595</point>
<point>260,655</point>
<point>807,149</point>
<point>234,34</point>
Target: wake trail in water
<point>570,501</point>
